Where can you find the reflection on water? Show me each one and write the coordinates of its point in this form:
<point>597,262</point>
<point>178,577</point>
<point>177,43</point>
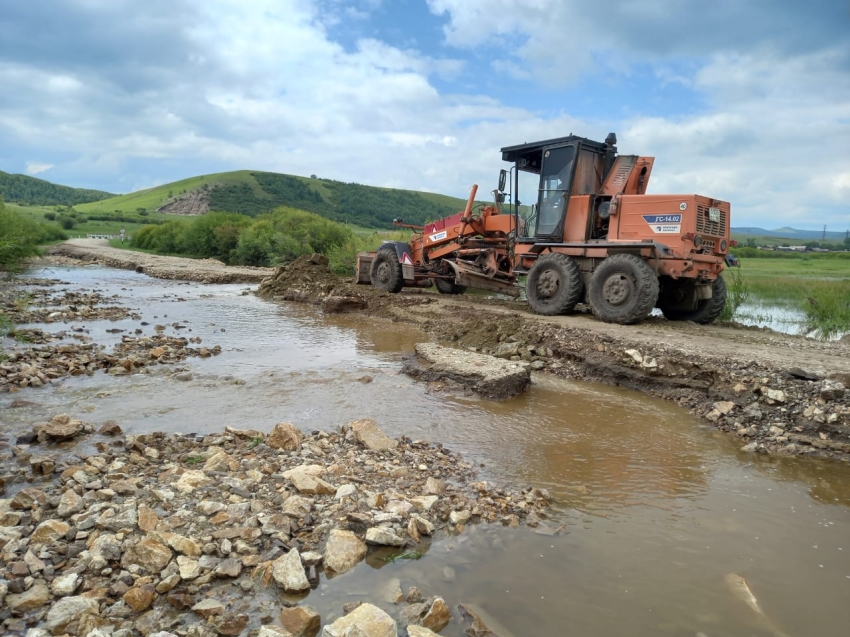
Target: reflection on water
<point>657,507</point>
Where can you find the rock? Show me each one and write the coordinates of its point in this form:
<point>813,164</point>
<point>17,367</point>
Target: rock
<point>296,506</point>
<point>149,554</point>
<point>424,502</point>
<point>48,532</point>
<point>413,614</point>
<point>776,395</point>
<point>383,536</point>
<point>221,461</point>
<point>208,608</point>
<point>288,572</point>
<point>189,569</point>
<point>460,517</point>
<point>69,609</point>
<point>488,376</point>
<point>831,390</point>
<point>140,598</point>
<point>301,621</point>
<point>231,625</point>
<point>310,485</point>
<point>368,434</point>
<point>343,551</point>
<point>127,519</point>
<point>475,617</point>
<point>285,436</point>
<point>184,545</point>
<point>414,595</point>
<point>64,585</point>
<point>433,486</point>
<point>36,597</point>
<point>148,519</point>
<point>753,446</point>
<point>228,568</point>
<point>69,504</point>
<point>369,620</point>
<point>802,374</point>
<point>438,616</point>
<point>273,631</point>
<point>724,407</point>
<point>391,592</point>
<point>110,428</point>
<point>61,428</point>
<point>420,631</point>
<point>28,499</point>
<point>106,546</point>
<point>191,480</point>
<point>345,491</point>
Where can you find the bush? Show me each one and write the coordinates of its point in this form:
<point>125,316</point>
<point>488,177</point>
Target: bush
<point>737,292</point>
<point>827,310</point>
<point>50,216</point>
<point>19,238</point>
<point>67,222</point>
<point>166,238</point>
<point>214,235</point>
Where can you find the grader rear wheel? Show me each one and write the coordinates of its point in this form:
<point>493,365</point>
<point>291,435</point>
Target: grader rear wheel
<point>707,310</point>
<point>623,289</point>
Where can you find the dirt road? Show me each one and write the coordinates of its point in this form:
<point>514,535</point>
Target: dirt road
<point>161,267</point>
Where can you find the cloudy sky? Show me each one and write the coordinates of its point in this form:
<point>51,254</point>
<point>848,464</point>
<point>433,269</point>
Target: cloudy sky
<point>747,101</point>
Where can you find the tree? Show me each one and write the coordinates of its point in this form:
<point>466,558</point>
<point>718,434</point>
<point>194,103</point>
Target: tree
<point>751,243</point>
<point>847,243</point>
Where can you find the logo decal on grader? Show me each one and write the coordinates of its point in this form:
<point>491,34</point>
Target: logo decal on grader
<point>664,224</point>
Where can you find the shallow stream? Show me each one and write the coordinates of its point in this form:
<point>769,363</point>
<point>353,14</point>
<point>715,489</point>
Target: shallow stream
<point>657,508</point>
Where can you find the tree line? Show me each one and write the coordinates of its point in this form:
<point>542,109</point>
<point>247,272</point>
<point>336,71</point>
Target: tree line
<point>30,191</point>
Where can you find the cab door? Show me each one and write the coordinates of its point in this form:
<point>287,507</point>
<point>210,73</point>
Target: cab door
<point>556,176</point>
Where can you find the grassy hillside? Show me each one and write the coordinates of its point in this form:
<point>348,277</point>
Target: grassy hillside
<point>112,223</point>
<point>29,191</point>
<point>254,192</point>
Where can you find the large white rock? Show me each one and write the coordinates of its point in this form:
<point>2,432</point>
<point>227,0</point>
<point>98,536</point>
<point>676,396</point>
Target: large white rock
<point>368,434</point>
<point>67,610</point>
<point>383,536</point>
<point>343,551</point>
<point>366,620</point>
<point>288,572</point>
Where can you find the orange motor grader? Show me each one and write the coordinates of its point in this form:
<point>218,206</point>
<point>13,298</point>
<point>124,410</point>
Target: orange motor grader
<point>591,236</point>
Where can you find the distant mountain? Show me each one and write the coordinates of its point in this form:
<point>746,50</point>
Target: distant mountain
<point>255,192</point>
<point>791,233</point>
<point>30,191</point>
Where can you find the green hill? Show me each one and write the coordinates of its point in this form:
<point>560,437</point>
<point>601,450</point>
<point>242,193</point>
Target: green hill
<point>254,192</point>
<point>29,191</point>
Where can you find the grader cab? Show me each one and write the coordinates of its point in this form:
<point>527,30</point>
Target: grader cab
<point>592,235</point>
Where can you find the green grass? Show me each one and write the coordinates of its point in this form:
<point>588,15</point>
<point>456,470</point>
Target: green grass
<point>152,198</point>
<point>817,285</point>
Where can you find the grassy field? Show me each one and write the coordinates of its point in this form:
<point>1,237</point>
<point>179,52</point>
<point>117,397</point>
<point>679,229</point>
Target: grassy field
<point>90,226</point>
<point>817,286</point>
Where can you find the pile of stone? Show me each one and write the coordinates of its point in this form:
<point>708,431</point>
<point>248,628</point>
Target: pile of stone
<point>42,306</point>
<point>141,536</point>
<point>39,366</point>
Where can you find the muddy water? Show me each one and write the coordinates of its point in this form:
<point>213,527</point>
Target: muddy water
<point>656,508</point>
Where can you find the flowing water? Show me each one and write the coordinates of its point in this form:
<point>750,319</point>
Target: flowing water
<point>657,508</point>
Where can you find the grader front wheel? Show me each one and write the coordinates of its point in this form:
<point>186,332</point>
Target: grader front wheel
<point>623,289</point>
<point>386,271</point>
<point>554,285</point>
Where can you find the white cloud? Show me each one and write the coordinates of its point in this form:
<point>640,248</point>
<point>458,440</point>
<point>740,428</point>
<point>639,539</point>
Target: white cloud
<point>36,167</point>
<point>224,85</point>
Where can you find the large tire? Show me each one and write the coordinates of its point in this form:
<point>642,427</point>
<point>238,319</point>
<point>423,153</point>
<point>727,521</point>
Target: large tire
<point>623,289</point>
<point>386,271</point>
<point>447,286</point>
<point>707,310</point>
<point>554,285</point>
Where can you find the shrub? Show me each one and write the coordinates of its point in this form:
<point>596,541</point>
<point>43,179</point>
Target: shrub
<point>67,222</point>
<point>50,216</point>
<point>737,292</point>
<point>19,238</point>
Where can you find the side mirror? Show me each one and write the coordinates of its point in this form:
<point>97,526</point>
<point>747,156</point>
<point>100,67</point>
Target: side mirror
<point>503,177</point>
